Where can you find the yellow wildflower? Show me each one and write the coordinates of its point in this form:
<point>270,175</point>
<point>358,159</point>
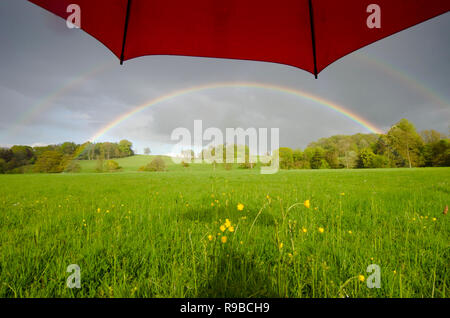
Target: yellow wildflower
<point>342,193</point>
<point>240,207</point>
<point>210,237</point>
<point>224,239</point>
<point>307,204</point>
<point>321,229</point>
<point>304,230</point>
<point>231,229</point>
<point>361,278</point>
<point>350,232</point>
<point>280,246</point>
<point>434,219</point>
<point>223,228</point>
<point>227,223</point>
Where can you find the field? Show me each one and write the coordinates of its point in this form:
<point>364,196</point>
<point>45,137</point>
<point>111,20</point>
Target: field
<point>159,234</point>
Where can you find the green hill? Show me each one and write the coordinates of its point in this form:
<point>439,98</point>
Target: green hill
<point>133,163</point>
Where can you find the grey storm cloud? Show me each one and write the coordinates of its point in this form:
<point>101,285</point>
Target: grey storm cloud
<point>73,86</point>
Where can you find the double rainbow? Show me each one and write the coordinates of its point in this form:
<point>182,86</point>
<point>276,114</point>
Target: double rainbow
<point>199,88</point>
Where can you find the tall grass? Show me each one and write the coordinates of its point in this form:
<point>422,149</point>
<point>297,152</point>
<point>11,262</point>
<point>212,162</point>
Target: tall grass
<point>159,235</point>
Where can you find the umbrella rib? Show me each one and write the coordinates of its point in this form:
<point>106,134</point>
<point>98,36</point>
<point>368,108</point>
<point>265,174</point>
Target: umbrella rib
<point>313,36</point>
<point>127,19</point>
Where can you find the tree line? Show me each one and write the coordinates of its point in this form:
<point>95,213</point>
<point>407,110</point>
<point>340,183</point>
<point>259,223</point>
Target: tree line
<point>401,146</point>
<point>60,157</point>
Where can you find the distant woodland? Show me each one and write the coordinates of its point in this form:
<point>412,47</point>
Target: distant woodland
<point>401,146</point>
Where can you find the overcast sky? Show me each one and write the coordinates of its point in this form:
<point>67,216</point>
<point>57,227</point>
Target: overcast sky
<point>78,87</point>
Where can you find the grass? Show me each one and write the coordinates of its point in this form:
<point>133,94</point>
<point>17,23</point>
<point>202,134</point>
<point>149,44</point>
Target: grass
<point>148,234</point>
<point>129,164</point>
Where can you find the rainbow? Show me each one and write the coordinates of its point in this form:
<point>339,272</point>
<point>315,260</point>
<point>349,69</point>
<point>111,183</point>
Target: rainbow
<point>404,78</point>
<point>182,92</point>
<point>47,102</point>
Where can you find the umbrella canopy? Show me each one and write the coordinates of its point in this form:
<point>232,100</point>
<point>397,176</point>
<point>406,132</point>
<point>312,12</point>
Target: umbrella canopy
<point>308,34</point>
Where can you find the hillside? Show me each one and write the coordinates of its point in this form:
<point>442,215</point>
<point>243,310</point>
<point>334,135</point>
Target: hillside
<point>133,163</point>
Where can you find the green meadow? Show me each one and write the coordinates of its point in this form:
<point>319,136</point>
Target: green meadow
<point>204,232</point>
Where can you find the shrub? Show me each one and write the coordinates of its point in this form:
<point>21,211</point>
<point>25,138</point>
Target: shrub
<point>246,165</point>
<point>185,164</point>
<point>18,170</point>
<point>157,164</point>
<point>112,165</point>
<point>72,167</point>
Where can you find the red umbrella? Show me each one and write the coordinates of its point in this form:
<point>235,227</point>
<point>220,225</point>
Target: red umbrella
<point>308,34</point>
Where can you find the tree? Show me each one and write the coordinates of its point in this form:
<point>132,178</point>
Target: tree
<point>6,154</point>
<point>68,148</point>
<point>331,156</point>
<point>317,158</point>
<point>407,143</point>
<point>86,151</point>
<point>366,158</point>
<point>297,155</point>
<point>125,148</point>
<point>49,162</point>
<point>437,154</point>
<point>107,149</point>
<point>2,166</point>
<point>286,157</point>
<point>147,151</point>
<point>22,155</point>
<point>380,161</point>
<point>431,136</point>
